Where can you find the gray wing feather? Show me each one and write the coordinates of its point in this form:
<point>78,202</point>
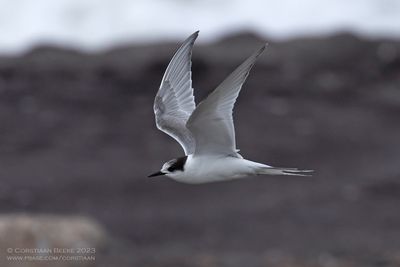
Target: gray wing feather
<point>174,102</point>
<point>211,123</point>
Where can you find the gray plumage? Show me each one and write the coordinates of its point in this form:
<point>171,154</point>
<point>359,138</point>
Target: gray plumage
<point>174,102</point>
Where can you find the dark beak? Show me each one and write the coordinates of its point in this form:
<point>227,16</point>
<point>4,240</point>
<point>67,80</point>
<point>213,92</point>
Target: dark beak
<point>156,174</point>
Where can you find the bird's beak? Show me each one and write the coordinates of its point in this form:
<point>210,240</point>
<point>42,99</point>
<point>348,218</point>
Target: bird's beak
<point>156,174</point>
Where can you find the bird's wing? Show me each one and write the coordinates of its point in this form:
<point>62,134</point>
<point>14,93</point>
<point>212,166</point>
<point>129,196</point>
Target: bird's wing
<point>211,123</point>
<point>174,102</point>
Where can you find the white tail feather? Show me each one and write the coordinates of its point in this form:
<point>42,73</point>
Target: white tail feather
<point>284,171</point>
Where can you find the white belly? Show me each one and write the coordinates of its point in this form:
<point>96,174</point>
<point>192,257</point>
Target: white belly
<point>202,169</point>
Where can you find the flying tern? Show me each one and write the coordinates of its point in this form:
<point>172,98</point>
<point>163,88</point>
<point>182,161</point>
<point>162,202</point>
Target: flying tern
<point>206,132</point>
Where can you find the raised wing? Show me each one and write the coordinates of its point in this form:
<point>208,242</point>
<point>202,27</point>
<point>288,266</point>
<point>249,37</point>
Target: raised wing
<point>211,123</point>
<point>174,102</point>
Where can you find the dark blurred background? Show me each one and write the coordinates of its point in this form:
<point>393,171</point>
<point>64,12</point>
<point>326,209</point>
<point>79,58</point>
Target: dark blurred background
<point>78,138</point>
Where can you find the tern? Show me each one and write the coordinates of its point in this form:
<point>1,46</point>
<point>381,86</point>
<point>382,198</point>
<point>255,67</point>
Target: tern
<point>206,132</point>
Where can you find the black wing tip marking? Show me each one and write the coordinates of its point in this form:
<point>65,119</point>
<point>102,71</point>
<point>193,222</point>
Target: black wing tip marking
<point>261,50</point>
<point>192,38</point>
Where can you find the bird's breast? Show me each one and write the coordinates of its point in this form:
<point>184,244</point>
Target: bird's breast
<point>206,169</point>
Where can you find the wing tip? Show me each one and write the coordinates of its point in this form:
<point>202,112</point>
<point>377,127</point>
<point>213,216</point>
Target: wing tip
<point>261,49</point>
<point>194,35</point>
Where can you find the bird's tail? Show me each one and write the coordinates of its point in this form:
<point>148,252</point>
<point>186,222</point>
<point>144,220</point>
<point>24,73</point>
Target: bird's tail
<point>284,171</point>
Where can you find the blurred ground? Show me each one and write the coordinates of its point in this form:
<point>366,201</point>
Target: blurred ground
<point>78,137</point>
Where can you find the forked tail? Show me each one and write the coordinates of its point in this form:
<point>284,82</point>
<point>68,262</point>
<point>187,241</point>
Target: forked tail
<point>284,171</point>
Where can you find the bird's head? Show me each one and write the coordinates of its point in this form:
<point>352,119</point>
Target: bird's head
<point>171,167</point>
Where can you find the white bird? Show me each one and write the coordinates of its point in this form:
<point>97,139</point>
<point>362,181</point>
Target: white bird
<point>206,132</point>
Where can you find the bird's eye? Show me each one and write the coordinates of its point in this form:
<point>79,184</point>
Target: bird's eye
<point>171,169</point>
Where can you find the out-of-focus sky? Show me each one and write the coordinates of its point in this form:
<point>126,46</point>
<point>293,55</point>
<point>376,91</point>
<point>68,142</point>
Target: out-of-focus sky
<point>97,24</point>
